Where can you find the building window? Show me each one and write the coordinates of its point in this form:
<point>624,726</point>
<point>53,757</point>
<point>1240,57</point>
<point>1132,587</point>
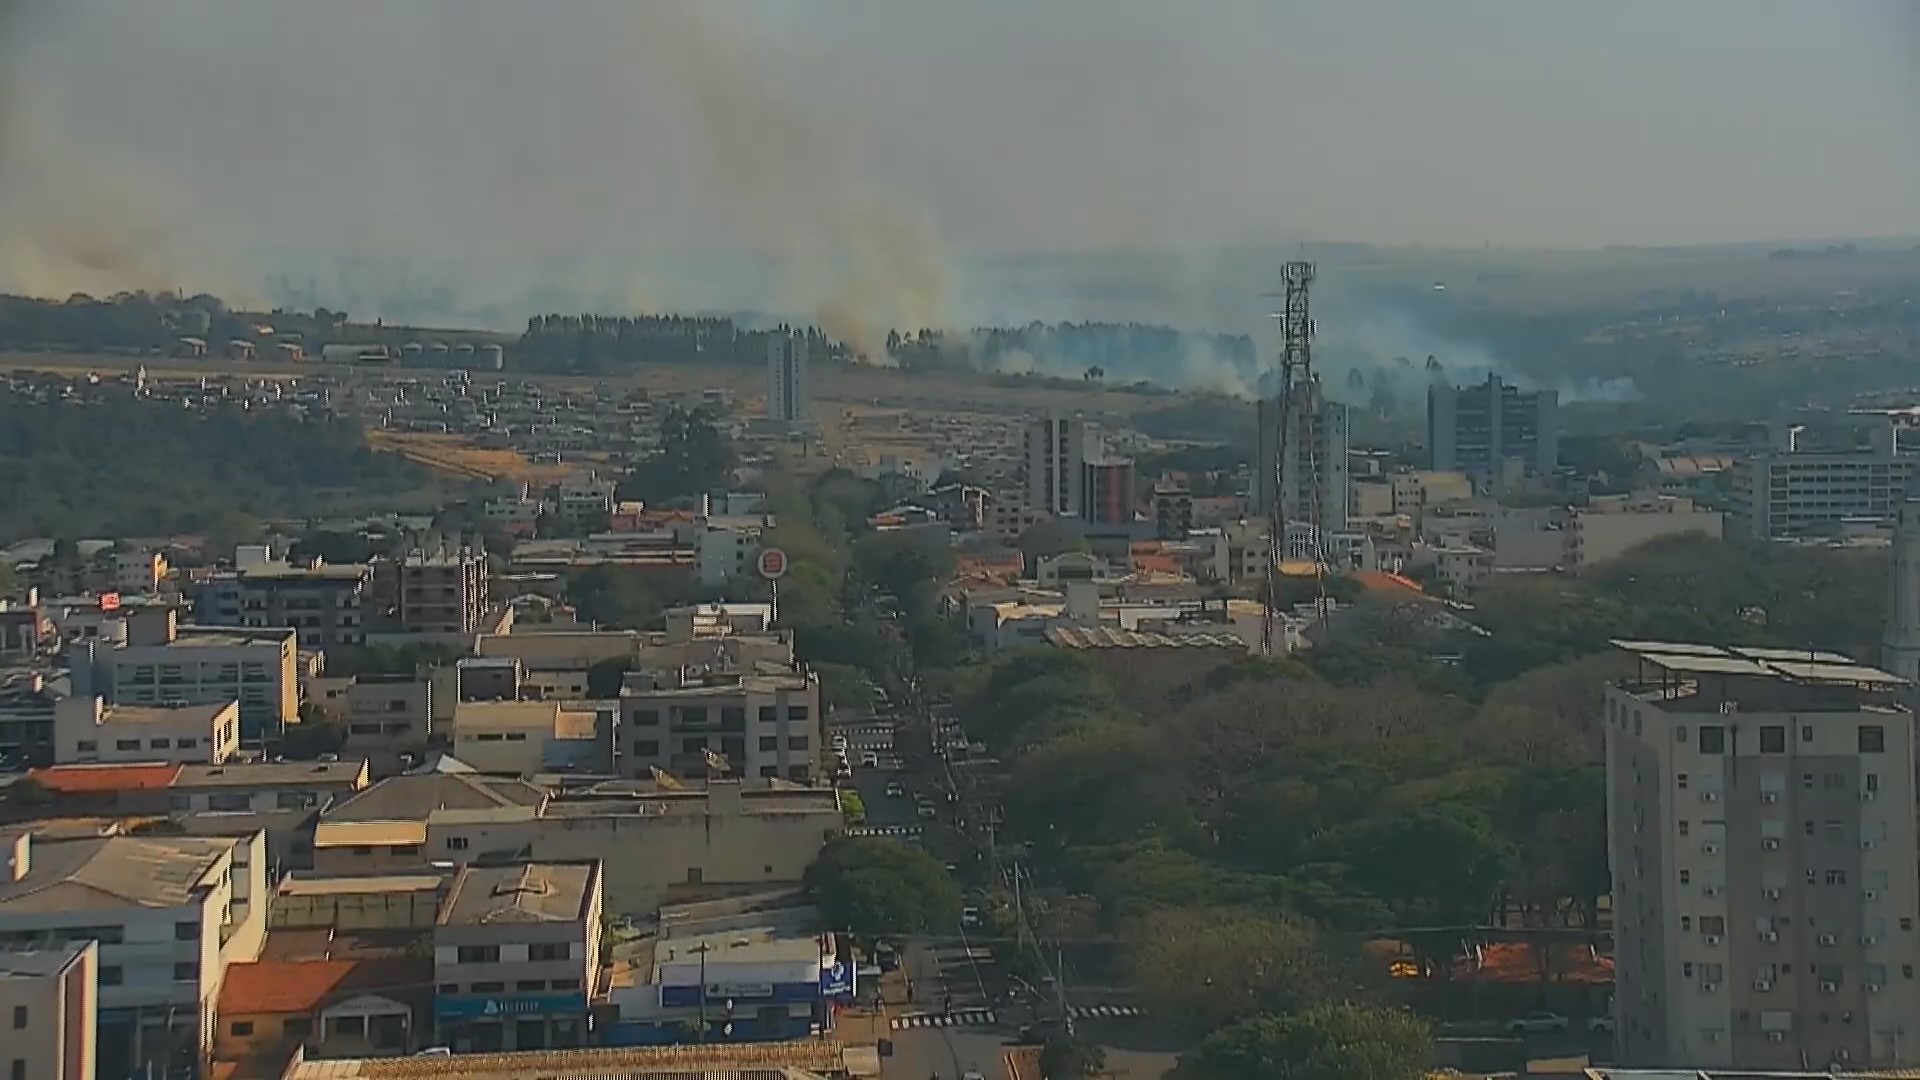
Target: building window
<point>87,746</point>
<point>479,954</point>
<point>646,718</point>
<point>1686,877</point>
<point>489,987</point>
<point>796,713</point>
<point>1680,781</point>
<point>768,714</point>
<point>19,1017</point>
<point>769,742</point>
<point>449,988</point>
<point>646,747</point>
<point>796,742</point>
<point>1684,825</point>
<point>1773,739</point>
<point>566,984</point>
<point>126,744</point>
<point>1679,733</point>
<point>1836,877</point>
<point>243,1027</point>
<point>159,744</point>
<point>525,986</point>
<point>186,744</point>
<point>186,971</point>
<point>456,843</point>
<point>1873,739</point>
<point>186,931</point>
<point>1713,739</point>
<point>548,950</point>
<point>110,975</point>
<point>1806,732</point>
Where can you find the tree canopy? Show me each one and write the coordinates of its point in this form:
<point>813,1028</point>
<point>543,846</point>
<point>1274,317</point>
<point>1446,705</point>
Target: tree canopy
<point>1325,1042</point>
<point>878,886</point>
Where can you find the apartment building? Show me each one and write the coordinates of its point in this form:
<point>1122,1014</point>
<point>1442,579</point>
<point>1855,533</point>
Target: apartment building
<point>49,1006</point>
<point>162,663</point>
<point>764,725</point>
<point>524,738</point>
<point>26,719</point>
<point>87,730</point>
<point>1109,486</point>
<point>1491,430</point>
<point>325,604</point>
<point>169,913</point>
<point>516,956</point>
<point>387,716</point>
<point>1760,828</point>
<point>728,547</point>
<point>1314,455</point>
<point>1057,449</point>
<point>443,592</point>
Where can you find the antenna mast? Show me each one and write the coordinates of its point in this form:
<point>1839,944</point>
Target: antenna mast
<point>1296,392</point>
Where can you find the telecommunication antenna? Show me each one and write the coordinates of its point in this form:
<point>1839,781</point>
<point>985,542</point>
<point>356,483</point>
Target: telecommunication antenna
<point>1297,392</point>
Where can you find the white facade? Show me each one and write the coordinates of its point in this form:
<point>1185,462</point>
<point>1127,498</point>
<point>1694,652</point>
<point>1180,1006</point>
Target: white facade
<point>1765,881</point>
<point>1609,527</point>
<point>1056,449</point>
<point>1795,493</point>
<point>787,378</point>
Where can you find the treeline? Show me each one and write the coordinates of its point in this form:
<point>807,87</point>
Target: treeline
<point>599,344</point>
<point>118,466</point>
<point>1118,351</point>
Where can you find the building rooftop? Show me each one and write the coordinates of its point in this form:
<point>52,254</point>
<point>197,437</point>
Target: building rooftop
<point>802,1059</point>
<point>164,714</point>
<point>519,893</point>
<point>38,963</point>
<point>415,796</point>
<point>271,773</point>
<point>295,885</point>
<point>1107,637</point>
<point>223,637</point>
<point>763,683</point>
<point>1808,667</point>
<point>342,572</point>
<point>301,987</point>
<point>98,779</point>
<point>112,872</point>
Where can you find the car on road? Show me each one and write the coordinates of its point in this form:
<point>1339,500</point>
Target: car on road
<point>840,743</point>
<point>869,760</point>
<point>1600,1025</point>
<point>927,813</point>
<point>972,1074</point>
<point>896,790</point>
<point>1536,1023</point>
<point>970,917</point>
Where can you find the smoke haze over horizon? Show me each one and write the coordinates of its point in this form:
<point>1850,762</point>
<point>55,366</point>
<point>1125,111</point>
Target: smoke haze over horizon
<point>873,165</point>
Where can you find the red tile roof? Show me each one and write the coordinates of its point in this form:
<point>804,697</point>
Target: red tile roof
<point>304,986</point>
<point>98,779</point>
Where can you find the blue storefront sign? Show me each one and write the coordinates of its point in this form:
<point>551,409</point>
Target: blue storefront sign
<point>839,981</point>
<point>488,1008</point>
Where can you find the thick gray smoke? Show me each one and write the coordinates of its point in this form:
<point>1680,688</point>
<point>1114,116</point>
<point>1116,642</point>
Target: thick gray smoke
<point>908,163</point>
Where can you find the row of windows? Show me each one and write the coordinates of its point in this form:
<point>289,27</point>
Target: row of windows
<point>1869,738</point>
<point>519,986</point>
<point>538,950</point>
<point>730,715</point>
<point>88,746</point>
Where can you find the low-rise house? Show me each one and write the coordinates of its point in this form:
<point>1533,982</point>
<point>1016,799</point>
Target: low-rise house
<point>334,1008</point>
<point>52,998</point>
<point>88,730</point>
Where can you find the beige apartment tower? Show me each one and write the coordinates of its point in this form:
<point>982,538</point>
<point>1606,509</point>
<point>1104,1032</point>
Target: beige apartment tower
<point>1760,828</point>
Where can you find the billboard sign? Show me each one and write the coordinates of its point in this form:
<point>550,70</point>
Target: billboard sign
<point>772,564</point>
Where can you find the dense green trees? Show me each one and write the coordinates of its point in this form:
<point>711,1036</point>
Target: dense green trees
<point>1325,1042</point>
<point>109,465</point>
<point>874,887</point>
<point>694,458</point>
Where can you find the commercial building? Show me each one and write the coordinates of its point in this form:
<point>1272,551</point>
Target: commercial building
<point>722,835</point>
<point>157,662</point>
<point>170,913</point>
<point>1057,449</point>
<point>1315,458</point>
<point>87,730</point>
<point>1492,430</point>
<point>49,1004</point>
<point>1172,511</point>
<point>1760,828</point>
<point>1789,492</point>
<point>728,547</point>
<point>787,377</point>
<point>387,716</point>
<point>1610,525</point>
<point>1108,483</point>
<point>441,592</point>
<point>516,956</point>
<point>764,725</point>
<point>524,738</point>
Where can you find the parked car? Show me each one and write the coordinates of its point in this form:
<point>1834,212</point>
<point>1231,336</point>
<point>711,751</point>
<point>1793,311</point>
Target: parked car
<point>869,760</point>
<point>1535,1023</point>
<point>896,790</point>
<point>1600,1024</point>
<point>970,917</point>
<point>927,812</point>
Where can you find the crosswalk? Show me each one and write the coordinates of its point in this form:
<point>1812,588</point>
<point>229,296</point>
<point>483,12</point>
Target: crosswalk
<point>1092,1012</point>
<point>960,1018</point>
<point>884,830</point>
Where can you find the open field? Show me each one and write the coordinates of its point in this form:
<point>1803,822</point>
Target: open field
<point>453,454</point>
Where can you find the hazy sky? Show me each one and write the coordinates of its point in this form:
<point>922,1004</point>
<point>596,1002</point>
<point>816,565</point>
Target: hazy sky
<point>210,141</point>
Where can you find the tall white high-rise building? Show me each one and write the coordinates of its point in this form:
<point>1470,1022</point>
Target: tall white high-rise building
<point>787,377</point>
<point>1057,448</point>
<point>1316,460</point>
<point>1900,643</point>
<point>1760,830</point>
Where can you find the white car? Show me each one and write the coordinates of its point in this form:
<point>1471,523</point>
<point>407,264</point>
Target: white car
<point>1600,1025</point>
<point>840,742</point>
<point>1535,1023</point>
<point>972,1074</point>
<point>869,760</point>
